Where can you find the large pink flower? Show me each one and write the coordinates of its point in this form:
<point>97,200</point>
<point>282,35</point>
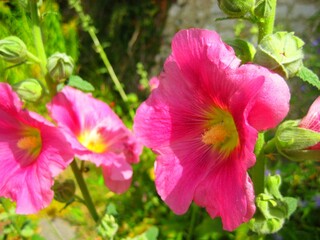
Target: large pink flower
<point>312,120</point>
<point>98,135</point>
<point>32,152</point>
<point>202,121</point>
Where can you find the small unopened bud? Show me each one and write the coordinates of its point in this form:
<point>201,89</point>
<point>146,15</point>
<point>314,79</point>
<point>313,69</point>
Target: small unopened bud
<point>280,52</point>
<point>236,8</point>
<point>60,67</point>
<point>13,50</point>
<point>294,142</point>
<point>29,90</point>
<point>64,192</point>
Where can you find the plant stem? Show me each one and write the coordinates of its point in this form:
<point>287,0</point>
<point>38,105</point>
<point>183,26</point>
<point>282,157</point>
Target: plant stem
<point>38,42</point>
<point>258,169</point>
<point>194,212</point>
<point>36,29</point>
<point>85,19</point>
<point>266,24</point>
<point>84,190</point>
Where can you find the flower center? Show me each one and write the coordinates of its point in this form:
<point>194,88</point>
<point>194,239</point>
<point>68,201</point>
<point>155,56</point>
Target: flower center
<point>221,132</point>
<point>93,141</point>
<point>30,143</point>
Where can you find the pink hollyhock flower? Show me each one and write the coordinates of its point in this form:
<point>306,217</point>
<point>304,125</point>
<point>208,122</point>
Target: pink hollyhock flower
<point>312,120</point>
<point>97,134</point>
<point>32,152</point>
<point>203,120</point>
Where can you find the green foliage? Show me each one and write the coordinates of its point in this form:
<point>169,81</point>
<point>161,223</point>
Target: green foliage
<point>78,82</point>
<point>309,76</point>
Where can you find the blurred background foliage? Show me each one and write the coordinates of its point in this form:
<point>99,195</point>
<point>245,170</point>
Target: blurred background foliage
<point>131,34</point>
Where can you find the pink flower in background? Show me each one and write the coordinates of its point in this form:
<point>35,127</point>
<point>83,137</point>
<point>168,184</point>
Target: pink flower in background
<point>97,134</point>
<point>312,120</point>
<point>32,152</point>
<point>203,120</point>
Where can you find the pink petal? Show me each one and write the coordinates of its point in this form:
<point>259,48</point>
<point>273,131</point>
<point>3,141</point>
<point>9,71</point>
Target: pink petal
<point>9,100</point>
<point>312,119</point>
<point>272,102</point>
<point>227,192</point>
<point>117,174</point>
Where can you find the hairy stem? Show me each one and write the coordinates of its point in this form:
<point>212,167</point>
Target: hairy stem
<point>36,29</point>
<point>85,19</point>
<point>266,24</point>
<point>84,190</point>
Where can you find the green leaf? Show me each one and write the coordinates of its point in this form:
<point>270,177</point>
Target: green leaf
<point>292,204</point>
<point>152,233</point>
<point>308,76</point>
<point>78,82</point>
<point>243,49</point>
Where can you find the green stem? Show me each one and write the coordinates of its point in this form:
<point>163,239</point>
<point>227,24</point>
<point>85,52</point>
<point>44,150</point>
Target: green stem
<point>36,29</point>
<point>37,35</point>
<point>84,190</point>
<point>257,172</point>
<point>107,64</point>
<point>194,213</point>
<point>266,24</point>
<point>85,19</point>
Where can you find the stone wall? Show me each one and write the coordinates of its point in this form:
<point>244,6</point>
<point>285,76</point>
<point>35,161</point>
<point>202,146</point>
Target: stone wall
<point>292,15</point>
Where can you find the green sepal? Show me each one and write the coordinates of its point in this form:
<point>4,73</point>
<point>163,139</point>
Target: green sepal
<point>281,52</point>
<point>243,49</point>
<point>292,204</point>
<point>309,76</point>
<point>263,8</point>
<point>266,226</point>
<point>272,186</point>
<point>78,82</point>
<point>290,137</point>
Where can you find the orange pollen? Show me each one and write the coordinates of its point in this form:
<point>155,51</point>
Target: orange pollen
<point>216,135</point>
<point>26,143</point>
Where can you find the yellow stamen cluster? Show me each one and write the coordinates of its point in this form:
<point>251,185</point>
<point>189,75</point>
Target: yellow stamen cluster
<point>93,141</point>
<point>31,143</point>
<point>221,132</point>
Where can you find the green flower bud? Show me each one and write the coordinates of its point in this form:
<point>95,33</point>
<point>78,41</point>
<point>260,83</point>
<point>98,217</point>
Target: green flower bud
<point>272,208</point>
<point>280,52</point>
<point>29,90</point>
<point>293,141</point>
<point>60,67</point>
<point>13,50</point>
<point>236,8</point>
<point>64,192</point>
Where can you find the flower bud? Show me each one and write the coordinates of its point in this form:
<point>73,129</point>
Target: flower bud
<point>13,50</point>
<point>60,67</point>
<point>64,192</point>
<point>272,208</point>
<point>236,8</point>
<point>280,52</point>
<point>29,90</point>
<point>294,142</point>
